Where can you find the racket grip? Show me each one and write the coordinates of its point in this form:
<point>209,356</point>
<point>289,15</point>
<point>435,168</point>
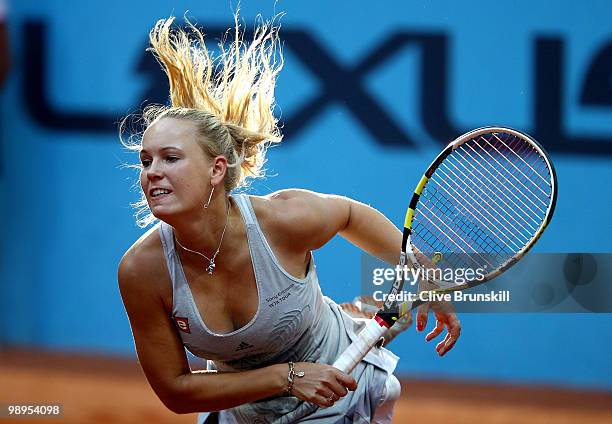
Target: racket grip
<point>366,339</point>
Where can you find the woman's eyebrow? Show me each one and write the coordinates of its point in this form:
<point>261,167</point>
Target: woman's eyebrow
<point>163,149</point>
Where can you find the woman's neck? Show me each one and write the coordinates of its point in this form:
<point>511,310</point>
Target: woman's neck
<point>202,232</point>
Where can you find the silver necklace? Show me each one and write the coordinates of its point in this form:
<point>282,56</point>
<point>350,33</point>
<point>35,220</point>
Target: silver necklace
<point>211,261</point>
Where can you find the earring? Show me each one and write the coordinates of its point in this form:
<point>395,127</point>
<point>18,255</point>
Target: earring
<point>207,204</point>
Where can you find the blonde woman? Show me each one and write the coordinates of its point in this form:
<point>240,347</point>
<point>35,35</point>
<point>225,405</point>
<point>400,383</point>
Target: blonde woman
<point>231,277</point>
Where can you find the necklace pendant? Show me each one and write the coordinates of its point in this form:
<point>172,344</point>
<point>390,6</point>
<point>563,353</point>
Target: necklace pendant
<point>211,267</point>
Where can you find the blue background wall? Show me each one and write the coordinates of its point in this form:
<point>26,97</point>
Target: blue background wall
<point>400,80</point>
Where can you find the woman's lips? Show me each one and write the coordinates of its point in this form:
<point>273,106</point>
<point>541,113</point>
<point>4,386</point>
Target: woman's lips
<point>160,197</point>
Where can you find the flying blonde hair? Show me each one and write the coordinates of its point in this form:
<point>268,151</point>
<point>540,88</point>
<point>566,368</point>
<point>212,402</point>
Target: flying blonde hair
<point>230,97</point>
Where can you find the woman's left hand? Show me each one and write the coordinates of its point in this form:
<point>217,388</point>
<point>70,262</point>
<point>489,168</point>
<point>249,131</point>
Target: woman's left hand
<point>445,317</point>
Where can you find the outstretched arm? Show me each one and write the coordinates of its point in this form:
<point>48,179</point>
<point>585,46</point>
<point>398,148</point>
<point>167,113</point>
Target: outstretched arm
<point>312,219</point>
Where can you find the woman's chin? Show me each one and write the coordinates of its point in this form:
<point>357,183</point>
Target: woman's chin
<point>175,213</point>
<point>162,212</point>
<point>167,213</point>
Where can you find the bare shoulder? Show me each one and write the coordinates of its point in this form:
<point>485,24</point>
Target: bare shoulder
<point>302,218</point>
<point>293,200</point>
<point>286,208</point>
<point>142,268</point>
<point>300,201</point>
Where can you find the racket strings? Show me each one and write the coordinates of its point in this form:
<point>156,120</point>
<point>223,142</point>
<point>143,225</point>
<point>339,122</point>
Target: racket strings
<point>471,197</point>
<point>509,160</point>
<point>515,160</point>
<point>531,175</point>
<point>472,245</point>
<point>533,165</point>
<point>484,202</point>
<point>487,180</point>
<point>511,176</point>
<point>433,233</point>
<point>505,219</point>
<point>528,158</point>
<point>476,193</point>
<point>460,241</point>
<point>499,177</point>
<point>523,157</point>
<point>493,195</point>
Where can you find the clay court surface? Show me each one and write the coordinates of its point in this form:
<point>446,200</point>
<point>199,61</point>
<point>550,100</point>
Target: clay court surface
<point>106,390</point>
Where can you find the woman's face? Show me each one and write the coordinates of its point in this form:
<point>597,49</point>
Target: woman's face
<point>175,175</point>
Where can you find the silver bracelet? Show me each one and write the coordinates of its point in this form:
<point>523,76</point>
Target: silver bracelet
<point>291,376</point>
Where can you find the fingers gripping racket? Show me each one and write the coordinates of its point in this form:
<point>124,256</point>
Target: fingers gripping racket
<point>481,204</point>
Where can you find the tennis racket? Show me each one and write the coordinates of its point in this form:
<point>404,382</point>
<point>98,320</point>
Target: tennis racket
<point>481,205</point>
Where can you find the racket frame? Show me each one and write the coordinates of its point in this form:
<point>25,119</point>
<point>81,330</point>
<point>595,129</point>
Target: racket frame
<point>445,286</point>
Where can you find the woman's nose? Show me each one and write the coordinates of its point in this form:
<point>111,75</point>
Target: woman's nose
<point>154,171</point>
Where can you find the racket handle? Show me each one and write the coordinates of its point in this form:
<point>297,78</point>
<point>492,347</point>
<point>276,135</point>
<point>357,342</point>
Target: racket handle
<point>366,339</point>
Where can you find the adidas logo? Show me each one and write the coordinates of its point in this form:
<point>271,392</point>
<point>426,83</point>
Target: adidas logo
<point>242,346</point>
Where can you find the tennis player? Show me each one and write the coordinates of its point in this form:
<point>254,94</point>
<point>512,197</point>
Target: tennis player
<point>231,277</point>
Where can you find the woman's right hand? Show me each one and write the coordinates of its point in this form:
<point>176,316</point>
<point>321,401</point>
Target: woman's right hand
<point>321,384</point>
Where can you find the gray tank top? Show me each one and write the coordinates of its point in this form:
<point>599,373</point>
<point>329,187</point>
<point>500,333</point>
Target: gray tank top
<point>293,322</point>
